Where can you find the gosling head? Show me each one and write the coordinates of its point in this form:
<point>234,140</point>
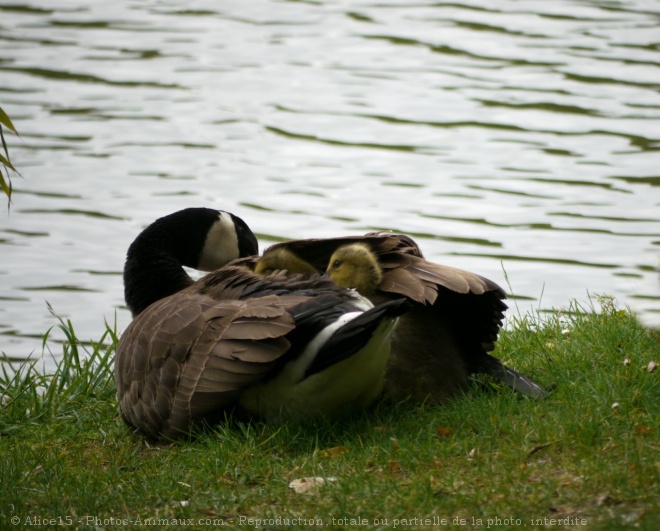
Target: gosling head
<point>355,266</point>
<point>281,258</point>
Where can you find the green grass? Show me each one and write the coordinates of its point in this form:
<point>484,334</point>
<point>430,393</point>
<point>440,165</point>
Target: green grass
<point>65,454</point>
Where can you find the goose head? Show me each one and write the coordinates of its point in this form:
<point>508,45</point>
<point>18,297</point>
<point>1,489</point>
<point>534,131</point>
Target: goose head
<point>355,266</point>
<point>282,259</point>
<point>200,238</point>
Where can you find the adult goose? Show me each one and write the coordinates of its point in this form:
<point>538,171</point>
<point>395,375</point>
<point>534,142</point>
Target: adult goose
<point>450,330</point>
<point>272,346</point>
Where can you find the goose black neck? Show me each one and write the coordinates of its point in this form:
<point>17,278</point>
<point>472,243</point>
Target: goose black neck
<point>154,261</point>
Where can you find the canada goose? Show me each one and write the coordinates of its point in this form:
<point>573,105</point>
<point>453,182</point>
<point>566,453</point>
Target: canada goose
<point>271,346</point>
<point>447,334</point>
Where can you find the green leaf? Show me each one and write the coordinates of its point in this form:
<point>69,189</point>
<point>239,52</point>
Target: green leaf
<point>4,144</point>
<point>4,120</point>
<point>6,188</point>
<point>7,163</point>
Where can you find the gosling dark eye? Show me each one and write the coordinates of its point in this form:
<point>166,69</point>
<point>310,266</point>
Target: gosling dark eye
<point>336,263</point>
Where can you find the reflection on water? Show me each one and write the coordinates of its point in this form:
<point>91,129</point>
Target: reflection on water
<point>509,138</point>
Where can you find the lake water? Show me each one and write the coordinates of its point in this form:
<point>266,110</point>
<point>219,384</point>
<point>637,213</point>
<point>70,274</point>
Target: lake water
<point>511,138</point>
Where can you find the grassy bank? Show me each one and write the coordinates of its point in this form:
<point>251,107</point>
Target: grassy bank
<point>586,458</point>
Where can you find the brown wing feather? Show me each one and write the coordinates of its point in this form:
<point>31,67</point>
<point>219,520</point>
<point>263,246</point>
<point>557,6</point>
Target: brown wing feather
<point>403,282</point>
<point>470,304</point>
<point>190,355</point>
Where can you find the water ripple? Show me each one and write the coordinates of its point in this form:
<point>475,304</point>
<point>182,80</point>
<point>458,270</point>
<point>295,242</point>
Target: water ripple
<point>518,136</point>
<point>49,73</point>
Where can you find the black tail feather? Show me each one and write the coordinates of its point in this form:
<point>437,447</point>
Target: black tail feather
<point>516,381</point>
<point>351,337</point>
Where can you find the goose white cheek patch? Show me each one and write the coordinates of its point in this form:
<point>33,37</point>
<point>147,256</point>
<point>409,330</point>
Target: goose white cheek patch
<point>221,245</point>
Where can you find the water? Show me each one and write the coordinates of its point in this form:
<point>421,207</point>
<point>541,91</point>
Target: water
<point>515,138</point>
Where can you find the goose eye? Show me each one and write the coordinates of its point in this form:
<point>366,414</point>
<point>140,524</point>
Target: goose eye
<point>336,263</point>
